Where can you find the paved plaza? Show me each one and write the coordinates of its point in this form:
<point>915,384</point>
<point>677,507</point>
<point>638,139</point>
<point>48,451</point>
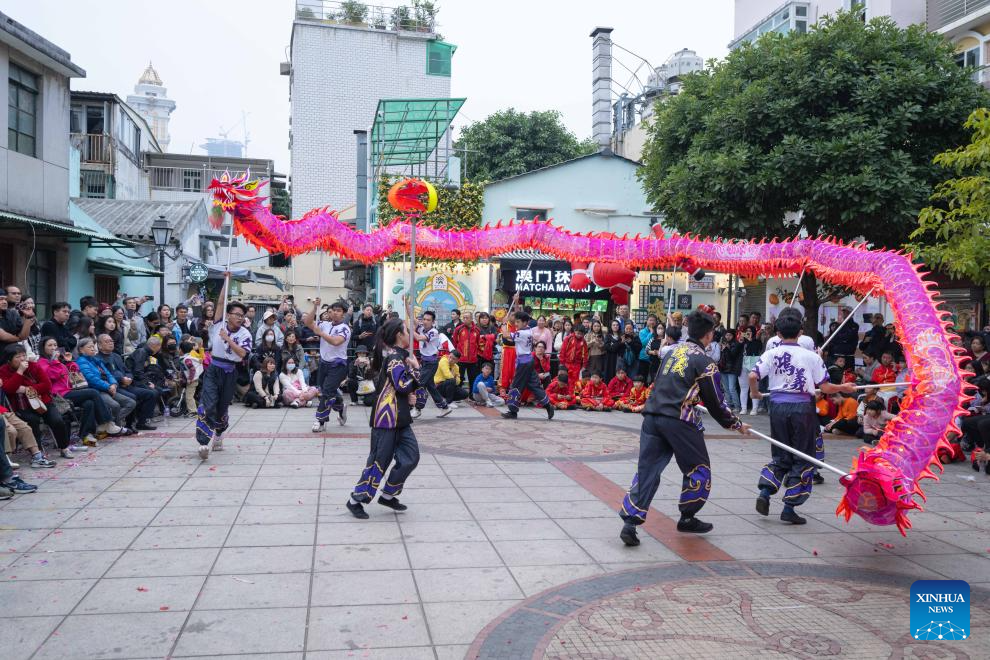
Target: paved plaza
<point>509,550</point>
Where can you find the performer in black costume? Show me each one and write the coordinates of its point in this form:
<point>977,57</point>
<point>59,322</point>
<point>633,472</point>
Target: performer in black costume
<point>672,428</point>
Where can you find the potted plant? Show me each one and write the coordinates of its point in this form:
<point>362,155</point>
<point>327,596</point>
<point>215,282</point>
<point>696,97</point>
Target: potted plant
<point>305,12</point>
<point>353,12</point>
<point>425,13</point>
<point>401,18</point>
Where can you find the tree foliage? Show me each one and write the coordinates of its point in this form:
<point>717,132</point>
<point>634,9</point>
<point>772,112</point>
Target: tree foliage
<point>954,234</point>
<point>510,142</point>
<point>830,132</point>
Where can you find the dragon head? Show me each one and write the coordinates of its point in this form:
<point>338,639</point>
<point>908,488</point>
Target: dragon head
<point>229,191</point>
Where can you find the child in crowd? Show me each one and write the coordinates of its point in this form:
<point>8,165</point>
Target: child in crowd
<point>561,392</point>
<point>483,388</point>
<point>872,394</point>
<point>295,391</point>
<point>448,379</point>
<point>574,354</point>
<point>846,420</point>
<point>875,418</point>
<point>823,408</point>
<point>594,396</point>
<point>619,387</point>
<point>636,397</point>
<point>192,369</point>
<point>583,380</point>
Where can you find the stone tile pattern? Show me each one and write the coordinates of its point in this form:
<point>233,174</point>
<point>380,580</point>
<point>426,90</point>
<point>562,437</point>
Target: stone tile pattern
<point>138,550</point>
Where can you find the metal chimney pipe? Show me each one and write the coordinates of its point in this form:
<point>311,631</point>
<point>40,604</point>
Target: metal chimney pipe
<point>601,87</point>
<point>361,217</point>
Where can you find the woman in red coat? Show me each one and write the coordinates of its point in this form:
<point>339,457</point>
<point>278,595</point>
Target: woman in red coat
<point>19,377</point>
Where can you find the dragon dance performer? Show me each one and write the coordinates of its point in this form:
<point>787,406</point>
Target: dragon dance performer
<point>230,343</point>
<point>794,374</point>
<point>672,428</point>
<point>525,376</point>
<point>429,350</point>
<point>334,336</point>
<point>392,438</point>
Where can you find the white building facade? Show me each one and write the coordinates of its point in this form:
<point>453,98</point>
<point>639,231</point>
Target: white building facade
<point>150,100</point>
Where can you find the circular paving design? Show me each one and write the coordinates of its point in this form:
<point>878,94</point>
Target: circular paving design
<point>525,439</point>
<point>725,610</point>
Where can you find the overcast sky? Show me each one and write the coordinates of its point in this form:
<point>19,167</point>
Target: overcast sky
<point>218,59</point>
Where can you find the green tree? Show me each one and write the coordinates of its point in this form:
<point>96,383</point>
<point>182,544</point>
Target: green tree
<point>511,142</point>
<point>954,235</point>
<point>831,132</point>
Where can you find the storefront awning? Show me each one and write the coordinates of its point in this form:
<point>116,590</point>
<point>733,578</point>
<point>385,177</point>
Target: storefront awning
<point>51,228</point>
<point>116,268</point>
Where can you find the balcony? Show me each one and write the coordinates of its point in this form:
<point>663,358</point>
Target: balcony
<point>944,13</point>
<point>96,148</point>
<point>94,184</point>
<point>418,17</point>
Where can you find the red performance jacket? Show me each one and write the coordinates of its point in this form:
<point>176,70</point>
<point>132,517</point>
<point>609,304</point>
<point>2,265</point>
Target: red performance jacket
<point>467,339</point>
<point>592,391</point>
<point>561,390</point>
<point>486,350</point>
<point>618,389</point>
<point>574,351</point>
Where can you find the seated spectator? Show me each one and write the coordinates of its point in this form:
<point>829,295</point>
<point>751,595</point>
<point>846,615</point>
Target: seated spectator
<point>10,483</point>
<point>83,328</point>
<point>976,426</point>
<point>864,374</point>
<point>359,381</point>
<point>295,391</point>
<point>837,372</point>
<point>560,392</point>
<point>68,382</point>
<point>448,378</point>
<point>269,324</point>
<point>107,325</point>
<point>845,420</point>
<point>291,348</point>
<point>635,400</point>
<point>101,379</point>
<point>145,397</point>
<point>265,391</point>
<point>29,392</point>
<point>146,371</point>
<point>56,327</point>
<point>823,408</point>
<point>875,419</point>
<point>18,432</point>
<point>620,386</point>
<point>594,395</point>
<point>483,388</point>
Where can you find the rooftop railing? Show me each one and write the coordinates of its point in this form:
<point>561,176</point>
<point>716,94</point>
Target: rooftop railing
<point>419,16</point>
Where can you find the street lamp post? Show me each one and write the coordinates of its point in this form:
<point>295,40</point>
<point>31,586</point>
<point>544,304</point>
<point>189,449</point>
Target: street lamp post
<point>161,231</point>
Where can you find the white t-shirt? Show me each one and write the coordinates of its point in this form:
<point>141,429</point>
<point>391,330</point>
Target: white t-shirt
<point>431,346</point>
<point>792,370</point>
<point>220,349</point>
<point>328,351</point>
<point>524,342</point>
<point>804,341</point>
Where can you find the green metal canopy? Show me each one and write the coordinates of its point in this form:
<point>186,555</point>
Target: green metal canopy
<point>406,131</point>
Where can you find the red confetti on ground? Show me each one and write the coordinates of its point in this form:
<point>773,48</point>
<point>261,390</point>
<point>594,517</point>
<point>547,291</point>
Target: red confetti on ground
<point>814,552</point>
<point>405,617</point>
<point>213,469</point>
<point>142,588</point>
<point>163,608</point>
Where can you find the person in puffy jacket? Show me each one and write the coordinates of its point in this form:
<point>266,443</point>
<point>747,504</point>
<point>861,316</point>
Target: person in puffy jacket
<point>101,379</point>
<point>65,376</point>
<point>29,392</point>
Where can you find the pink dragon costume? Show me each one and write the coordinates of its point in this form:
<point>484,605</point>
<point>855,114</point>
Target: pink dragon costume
<point>883,481</point>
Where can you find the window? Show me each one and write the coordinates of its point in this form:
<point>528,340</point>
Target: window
<point>530,214</point>
<point>438,54</point>
<point>22,110</point>
<point>96,184</point>
<point>192,180</point>
<point>106,287</point>
<point>968,58</point>
<point>279,260</point>
<point>41,281</point>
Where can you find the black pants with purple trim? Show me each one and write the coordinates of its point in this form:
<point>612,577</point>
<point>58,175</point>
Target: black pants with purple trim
<point>387,445</point>
<point>214,402</point>
<point>332,374</point>
<point>796,425</point>
<point>525,378</point>
<point>427,370</point>
<point>660,439</point>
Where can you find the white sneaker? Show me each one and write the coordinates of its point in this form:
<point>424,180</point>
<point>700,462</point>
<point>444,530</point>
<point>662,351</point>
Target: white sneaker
<point>218,443</point>
<point>102,428</point>
<point>318,427</point>
<point>295,404</point>
<point>453,406</point>
<point>310,404</point>
<point>415,413</point>
<point>113,429</point>
<point>204,452</point>
<point>754,411</point>
<point>446,411</point>
<point>13,465</point>
<point>489,404</point>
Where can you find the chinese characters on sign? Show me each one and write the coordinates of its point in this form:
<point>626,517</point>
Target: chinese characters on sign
<point>706,283</point>
<point>544,281</point>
